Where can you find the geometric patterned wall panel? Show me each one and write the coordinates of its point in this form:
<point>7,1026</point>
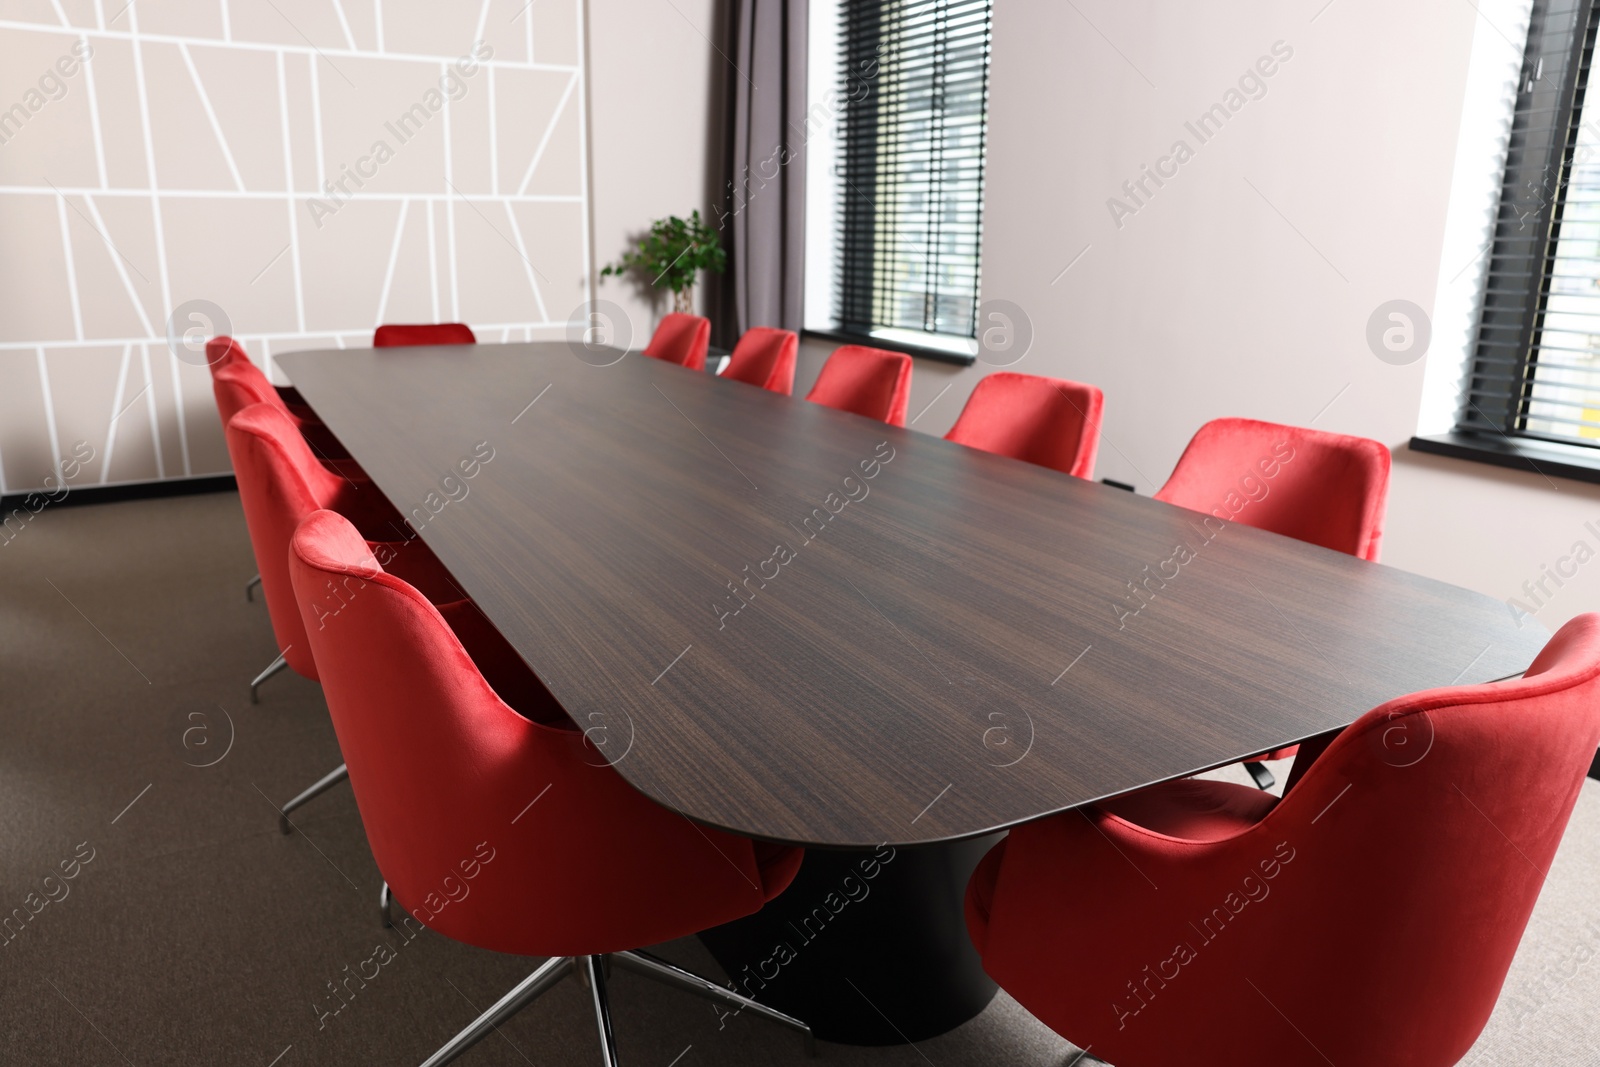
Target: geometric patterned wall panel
<point>310,167</point>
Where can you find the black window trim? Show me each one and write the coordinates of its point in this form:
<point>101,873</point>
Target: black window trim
<point>888,344</point>
<point>1522,454</point>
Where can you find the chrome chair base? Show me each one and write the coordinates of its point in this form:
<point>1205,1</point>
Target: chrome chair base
<point>250,588</point>
<point>593,971</point>
<point>272,668</point>
<point>322,785</point>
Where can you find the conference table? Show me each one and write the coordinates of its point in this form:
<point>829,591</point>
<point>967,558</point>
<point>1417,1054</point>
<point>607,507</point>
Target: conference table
<point>805,626</point>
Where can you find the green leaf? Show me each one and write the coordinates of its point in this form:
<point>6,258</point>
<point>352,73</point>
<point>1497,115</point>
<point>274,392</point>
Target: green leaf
<point>673,252</point>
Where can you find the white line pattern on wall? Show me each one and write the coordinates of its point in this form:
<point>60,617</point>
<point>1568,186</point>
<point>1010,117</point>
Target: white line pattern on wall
<point>202,153</point>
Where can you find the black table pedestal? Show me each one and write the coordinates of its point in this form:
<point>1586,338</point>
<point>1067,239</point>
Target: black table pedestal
<point>868,948</point>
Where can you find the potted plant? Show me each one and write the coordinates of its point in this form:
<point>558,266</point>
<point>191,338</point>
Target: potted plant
<point>672,255</point>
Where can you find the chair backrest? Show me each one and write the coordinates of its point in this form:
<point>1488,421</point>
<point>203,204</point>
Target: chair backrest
<point>491,828</point>
<point>401,335</point>
<point>1326,488</point>
<point>221,351</point>
<point>867,381</point>
<point>280,483</point>
<point>238,384</point>
<point>681,339</point>
<point>765,356</point>
<point>1049,421</point>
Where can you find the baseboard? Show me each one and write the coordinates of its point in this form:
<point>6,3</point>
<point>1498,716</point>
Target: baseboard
<point>110,494</point>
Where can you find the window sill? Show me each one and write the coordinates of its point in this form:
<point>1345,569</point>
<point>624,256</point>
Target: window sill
<point>1577,462</point>
<point>920,351</point>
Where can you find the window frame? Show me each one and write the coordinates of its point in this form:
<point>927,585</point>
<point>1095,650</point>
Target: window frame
<point>1500,437</point>
<point>848,216</point>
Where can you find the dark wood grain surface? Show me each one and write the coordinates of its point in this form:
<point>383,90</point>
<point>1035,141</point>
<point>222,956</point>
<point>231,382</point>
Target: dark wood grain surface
<point>956,651</point>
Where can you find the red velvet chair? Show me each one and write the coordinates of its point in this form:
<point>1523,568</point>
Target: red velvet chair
<point>280,483</point>
<point>240,384</point>
<point>865,381</point>
<point>441,333</point>
<point>1048,421</point>
<point>490,818</point>
<point>240,388</point>
<point>1368,917</point>
<point>221,351</point>
<point>1326,488</point>
<point>681,339</point>
<point>765,357</point>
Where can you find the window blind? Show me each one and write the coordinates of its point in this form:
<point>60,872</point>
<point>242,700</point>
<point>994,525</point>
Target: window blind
<point>1536,367</point>
<point>910,169</point>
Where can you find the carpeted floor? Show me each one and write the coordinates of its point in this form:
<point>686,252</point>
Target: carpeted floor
<point>194,934</point>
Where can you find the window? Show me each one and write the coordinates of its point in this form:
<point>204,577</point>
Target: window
<point>895,189</point>
<point>1532,391</point>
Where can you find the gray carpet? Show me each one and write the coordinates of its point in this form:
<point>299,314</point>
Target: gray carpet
<point>198,935</point>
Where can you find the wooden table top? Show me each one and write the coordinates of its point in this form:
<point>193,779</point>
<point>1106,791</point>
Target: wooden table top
<point>803,625</point>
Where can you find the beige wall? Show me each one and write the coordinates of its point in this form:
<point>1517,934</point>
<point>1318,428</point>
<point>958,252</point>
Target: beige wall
<point>1245,285</point>
<point>652,74</point>
<point>185,161</point>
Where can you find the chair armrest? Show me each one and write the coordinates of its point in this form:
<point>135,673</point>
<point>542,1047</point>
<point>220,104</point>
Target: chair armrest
<point>321,440</point>
<point>347,469</point>
<point>416,565</point>
<point>369,511</point>
<point>502,667</point>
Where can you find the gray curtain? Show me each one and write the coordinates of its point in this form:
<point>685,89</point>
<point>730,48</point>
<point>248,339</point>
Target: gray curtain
<point>759,203</point>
